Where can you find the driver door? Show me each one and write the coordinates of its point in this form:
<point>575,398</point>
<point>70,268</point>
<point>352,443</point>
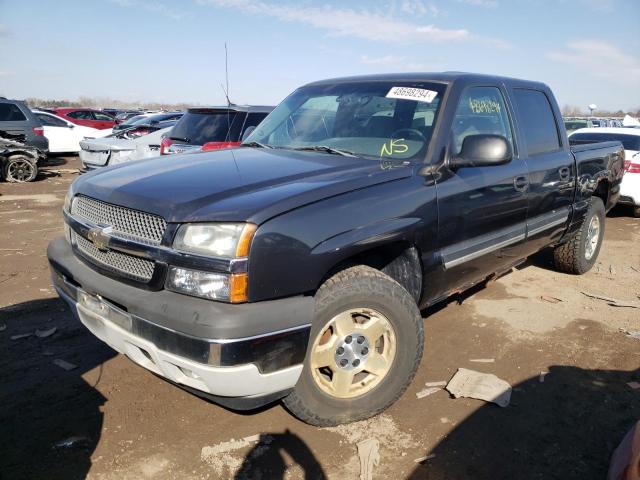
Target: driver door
<point>482,210</point>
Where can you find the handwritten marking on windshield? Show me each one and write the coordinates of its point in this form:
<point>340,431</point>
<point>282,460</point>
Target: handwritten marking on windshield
<point>394,147</point>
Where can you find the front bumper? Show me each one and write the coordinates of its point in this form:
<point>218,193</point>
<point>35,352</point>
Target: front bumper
<point>227,353</point>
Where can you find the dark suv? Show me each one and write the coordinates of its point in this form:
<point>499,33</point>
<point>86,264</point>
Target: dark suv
<point>212,128</point>
<point>18,123</point>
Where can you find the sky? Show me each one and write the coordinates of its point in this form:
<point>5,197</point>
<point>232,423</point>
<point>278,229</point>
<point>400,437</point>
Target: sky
<point>587,51</point>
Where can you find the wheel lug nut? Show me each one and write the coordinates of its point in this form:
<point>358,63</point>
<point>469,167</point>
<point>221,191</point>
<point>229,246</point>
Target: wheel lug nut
<point>343,362</point>
<point>356,362</point>
<point>348,339</point>
<point>364,351</point>
<point>340,351</point>
<point>361,340</point>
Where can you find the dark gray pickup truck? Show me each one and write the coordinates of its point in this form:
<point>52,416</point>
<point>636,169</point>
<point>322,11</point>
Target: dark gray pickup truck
<point>295,266</point>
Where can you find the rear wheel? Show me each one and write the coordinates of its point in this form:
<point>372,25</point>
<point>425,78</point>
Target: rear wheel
<point>365,347</point>
<point>20,168</point>
<point>578,255</point>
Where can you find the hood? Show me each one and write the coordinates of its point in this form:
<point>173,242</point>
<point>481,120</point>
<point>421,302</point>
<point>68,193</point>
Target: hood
<point>243,184</point>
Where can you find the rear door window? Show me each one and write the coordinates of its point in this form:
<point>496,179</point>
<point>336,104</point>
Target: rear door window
<point>102,117</point>
<point>198,127</point>
<point>11,113</point>
<point>481,111</point>
<point>81,115</point>
<point>537,121</point>
<point>50,120</point>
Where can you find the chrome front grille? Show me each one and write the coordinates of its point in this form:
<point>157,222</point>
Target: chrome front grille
<point>125,222</point>
<point>129,266</point>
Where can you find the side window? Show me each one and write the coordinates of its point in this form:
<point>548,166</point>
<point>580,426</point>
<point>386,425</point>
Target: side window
<point>481,111</point>
<point>80,115</point>
<point>50,121</point>
<point>11,113</point>
<point>537,120</point>
<point>102,117</point>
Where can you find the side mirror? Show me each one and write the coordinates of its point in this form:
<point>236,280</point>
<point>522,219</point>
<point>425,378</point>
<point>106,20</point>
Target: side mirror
<point>482,151</point>
<point>247,132</point>
<point>71,125</point>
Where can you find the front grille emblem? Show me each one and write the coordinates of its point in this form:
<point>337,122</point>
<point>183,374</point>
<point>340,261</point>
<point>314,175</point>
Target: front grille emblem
<point>100,237</point>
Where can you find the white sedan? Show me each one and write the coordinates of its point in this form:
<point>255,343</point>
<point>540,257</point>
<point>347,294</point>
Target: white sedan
<point>630,139</point>
<point>64,136</point>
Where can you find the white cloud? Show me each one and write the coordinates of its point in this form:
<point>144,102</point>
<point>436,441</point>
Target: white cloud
<point>151,6</point>
<point>480,3</point>
<point>347,22</point>
<point>600,59</point>
<point>419,8</point>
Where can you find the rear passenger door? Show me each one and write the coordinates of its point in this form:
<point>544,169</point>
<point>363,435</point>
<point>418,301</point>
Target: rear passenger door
<point>482,210</point>
<point>550,165</point>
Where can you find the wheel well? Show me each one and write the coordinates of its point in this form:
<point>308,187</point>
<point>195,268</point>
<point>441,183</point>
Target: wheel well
<point>602,191</point>
<point>400,261</point>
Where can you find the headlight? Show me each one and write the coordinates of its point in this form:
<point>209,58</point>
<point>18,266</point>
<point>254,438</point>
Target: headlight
<point>215,286</point>
<point>67,202</point>
<point>227,240</point>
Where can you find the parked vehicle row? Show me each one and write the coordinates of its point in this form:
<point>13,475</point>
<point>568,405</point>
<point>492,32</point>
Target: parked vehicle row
<point>295,266</point>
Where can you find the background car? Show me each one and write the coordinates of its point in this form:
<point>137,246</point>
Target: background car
<point>63,135</point>
<point>212,128</point>
<point>125,115</point>
<point>88,117</point>
<point>148,119</point>
<point>630,139</point>
<point>18,123</point>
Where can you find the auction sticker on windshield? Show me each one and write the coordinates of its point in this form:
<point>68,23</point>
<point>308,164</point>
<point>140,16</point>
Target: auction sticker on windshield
<point>409,93</point>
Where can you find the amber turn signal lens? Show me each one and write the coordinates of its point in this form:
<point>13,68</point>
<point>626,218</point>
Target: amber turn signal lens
<point>238,288</point>
<point>244,243</point>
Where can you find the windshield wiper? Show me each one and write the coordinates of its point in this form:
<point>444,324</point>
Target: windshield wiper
<point>255,145</point>
<point>180,139</point>
<point>325,149</point>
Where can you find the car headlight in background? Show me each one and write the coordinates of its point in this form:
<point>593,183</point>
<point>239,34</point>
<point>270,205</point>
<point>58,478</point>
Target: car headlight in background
<point>226,240</point>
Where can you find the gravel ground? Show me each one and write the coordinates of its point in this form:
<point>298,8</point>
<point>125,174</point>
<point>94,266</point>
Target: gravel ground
<point>122,422</point>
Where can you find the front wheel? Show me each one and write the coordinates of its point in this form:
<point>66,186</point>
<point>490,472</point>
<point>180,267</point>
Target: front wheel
<point>365,347</point>
<point>578,255</point>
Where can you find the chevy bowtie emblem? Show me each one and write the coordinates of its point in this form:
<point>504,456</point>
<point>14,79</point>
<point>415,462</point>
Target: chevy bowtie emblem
<point>100,237</point>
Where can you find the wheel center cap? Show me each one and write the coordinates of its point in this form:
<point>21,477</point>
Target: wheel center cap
<point>352,351</point>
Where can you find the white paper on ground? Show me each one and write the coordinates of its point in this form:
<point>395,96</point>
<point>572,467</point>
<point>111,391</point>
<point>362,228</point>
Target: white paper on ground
<point>482,386</point>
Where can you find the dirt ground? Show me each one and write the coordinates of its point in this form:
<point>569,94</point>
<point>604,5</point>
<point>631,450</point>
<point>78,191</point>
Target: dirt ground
<point>124,423</point>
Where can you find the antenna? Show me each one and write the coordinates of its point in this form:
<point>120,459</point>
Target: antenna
<point>226,72</point>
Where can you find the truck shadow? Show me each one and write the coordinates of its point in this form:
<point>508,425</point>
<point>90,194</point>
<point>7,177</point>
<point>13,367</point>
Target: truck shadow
<point>50,418</point>
<point>276,454</point>
<point>566,427</point>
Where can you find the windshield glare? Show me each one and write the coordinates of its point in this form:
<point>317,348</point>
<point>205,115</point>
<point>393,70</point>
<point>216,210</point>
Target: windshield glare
<point>360,118</point>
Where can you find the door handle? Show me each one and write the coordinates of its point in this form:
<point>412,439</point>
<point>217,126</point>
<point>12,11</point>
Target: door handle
<point>565,173</point>
<point>520,183</point>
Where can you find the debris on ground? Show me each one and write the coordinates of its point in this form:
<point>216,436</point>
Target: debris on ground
<point>542,375</point>
<point>21,335</point>
<point>425,392</point>
<point>550,299</point>
<point>73,442</point>
<point>436,384</point>
<point>631,333</point>
<point>64,364</point>
<point>481,386</point>
<point>482,360</point>
<point>3,327</point>
<point>634,385</point>
<point>612,301</point>
<point>422,460</point>
<point>369,453</point>
<point>45,333</point>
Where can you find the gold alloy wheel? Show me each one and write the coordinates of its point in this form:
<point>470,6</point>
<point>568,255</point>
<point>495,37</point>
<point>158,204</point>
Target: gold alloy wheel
<point>353,353</point>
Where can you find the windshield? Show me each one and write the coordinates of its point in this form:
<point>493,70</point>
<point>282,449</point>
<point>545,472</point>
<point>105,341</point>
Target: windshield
<point>372,119</point>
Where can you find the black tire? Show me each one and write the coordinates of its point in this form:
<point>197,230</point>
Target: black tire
<point>19,169</point>
<point>361,287</point>
<point>572,257</point>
